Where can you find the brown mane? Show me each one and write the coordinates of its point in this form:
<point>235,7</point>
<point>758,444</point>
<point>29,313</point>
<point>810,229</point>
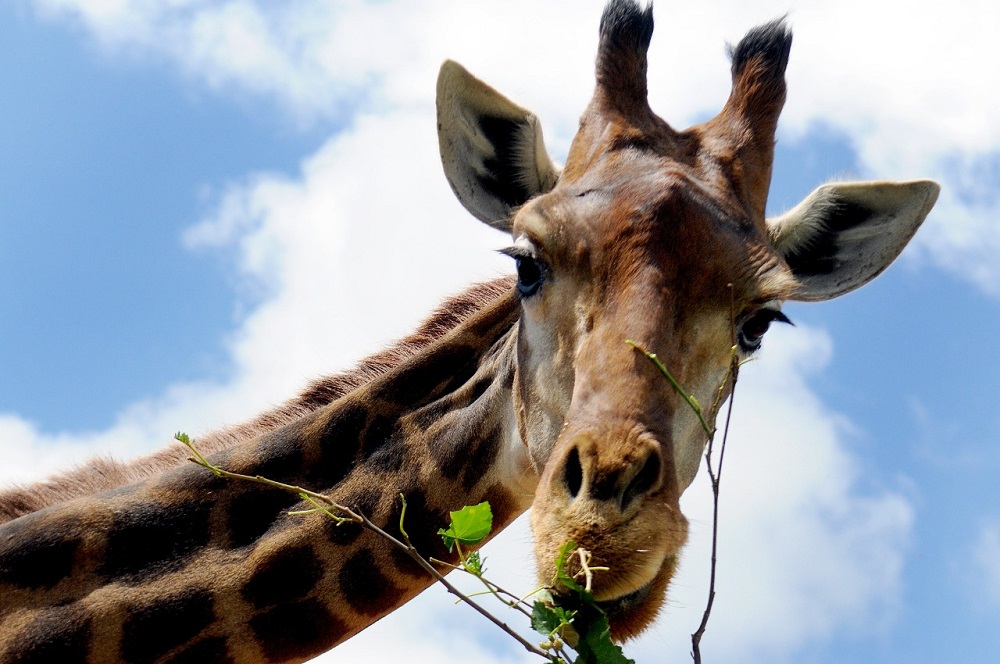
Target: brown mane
<point>103,473</point>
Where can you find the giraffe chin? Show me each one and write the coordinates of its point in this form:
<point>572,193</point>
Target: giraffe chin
<point>630,614</point>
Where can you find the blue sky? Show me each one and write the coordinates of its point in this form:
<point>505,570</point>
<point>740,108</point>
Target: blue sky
<point>107,162</point>
<point>201,208</point>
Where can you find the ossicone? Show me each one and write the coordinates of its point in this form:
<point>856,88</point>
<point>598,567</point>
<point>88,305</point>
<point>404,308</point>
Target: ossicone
<point>626,30</point>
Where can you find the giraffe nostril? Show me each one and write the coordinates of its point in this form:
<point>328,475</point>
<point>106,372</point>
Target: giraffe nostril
<point>573,473</point>
<point>644,481</point>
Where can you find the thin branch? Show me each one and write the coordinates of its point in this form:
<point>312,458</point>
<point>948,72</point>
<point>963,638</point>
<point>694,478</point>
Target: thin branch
<point>506,597</point>
<point>716,477</point>
<point>688,397</point>
<point>412,552</point>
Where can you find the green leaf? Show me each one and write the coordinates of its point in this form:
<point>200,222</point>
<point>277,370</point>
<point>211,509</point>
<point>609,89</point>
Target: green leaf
<point>544,619</point>
<point>548,619</point>
<point>469,526</point>
<point>596,646</point>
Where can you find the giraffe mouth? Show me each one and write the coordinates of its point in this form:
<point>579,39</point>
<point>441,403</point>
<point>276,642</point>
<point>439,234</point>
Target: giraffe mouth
<point>630,614</point>
<point>621,606</point>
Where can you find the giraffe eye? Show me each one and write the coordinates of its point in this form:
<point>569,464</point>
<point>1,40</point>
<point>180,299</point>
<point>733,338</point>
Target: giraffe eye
<point>751,332</point>
<point>530,275</point>
<point>531,271</point>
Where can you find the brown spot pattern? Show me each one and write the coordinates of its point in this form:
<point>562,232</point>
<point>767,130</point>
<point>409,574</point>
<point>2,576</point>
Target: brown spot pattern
<point>61,634</point>
<point>297,630</point>
<point>365,588</point>
<point>152,630</point>
<point>287,575</point>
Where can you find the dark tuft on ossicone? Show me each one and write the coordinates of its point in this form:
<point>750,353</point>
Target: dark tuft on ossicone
<point>626,25</point>
<point>770,42</point>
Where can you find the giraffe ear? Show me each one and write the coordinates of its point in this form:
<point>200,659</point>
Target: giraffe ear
<point>845,234</point>
<point>492,149</point>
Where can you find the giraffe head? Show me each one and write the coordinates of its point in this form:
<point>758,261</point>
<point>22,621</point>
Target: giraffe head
<point>656,236</point>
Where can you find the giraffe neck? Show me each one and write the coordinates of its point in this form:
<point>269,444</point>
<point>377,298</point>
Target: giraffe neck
<point>190,567</point>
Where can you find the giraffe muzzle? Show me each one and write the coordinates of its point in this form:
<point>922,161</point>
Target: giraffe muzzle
<point>610,490</point>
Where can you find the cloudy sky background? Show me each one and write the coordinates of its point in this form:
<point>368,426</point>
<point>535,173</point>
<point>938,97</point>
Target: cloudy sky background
<point>205,204</point>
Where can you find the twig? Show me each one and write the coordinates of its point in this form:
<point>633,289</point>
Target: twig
<point>684,394</point>
<point>716,477</point>
<point>502,595</point>
<point>412,552</point>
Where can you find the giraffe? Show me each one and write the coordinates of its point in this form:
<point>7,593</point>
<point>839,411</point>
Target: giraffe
<point>521,391</point>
